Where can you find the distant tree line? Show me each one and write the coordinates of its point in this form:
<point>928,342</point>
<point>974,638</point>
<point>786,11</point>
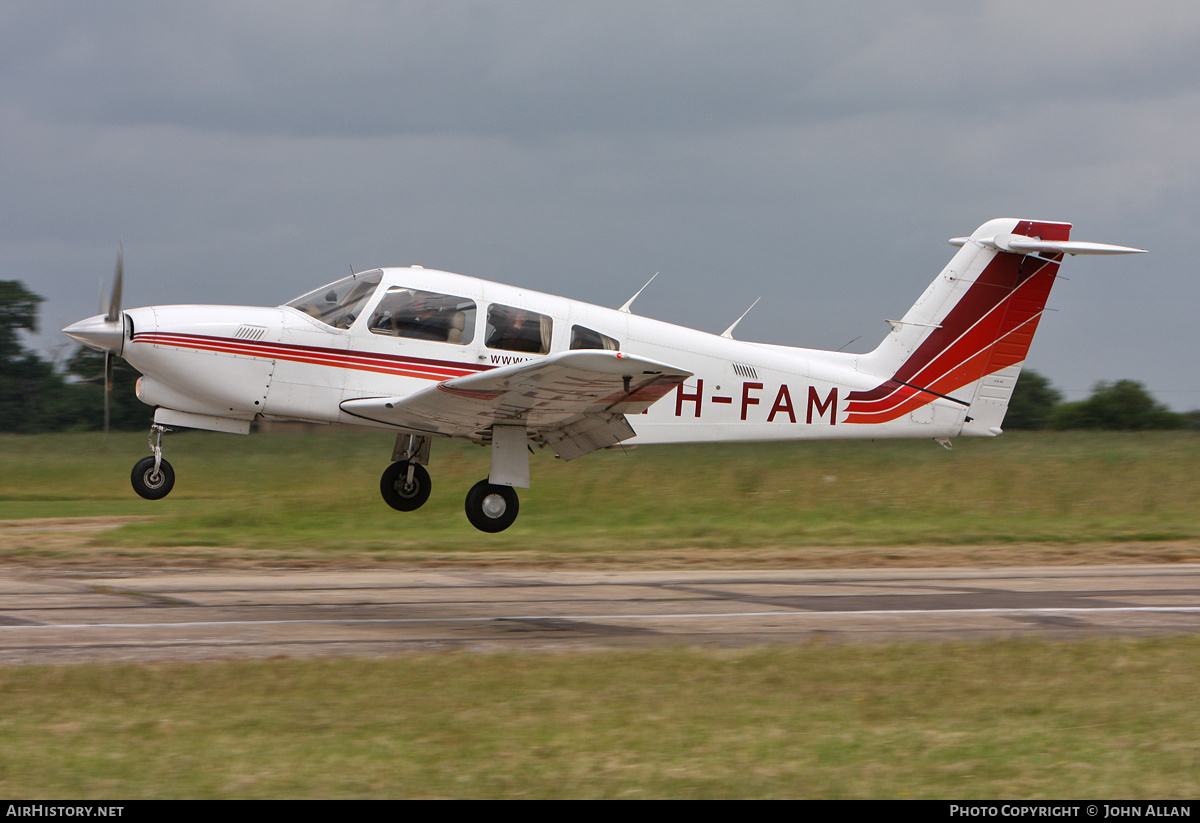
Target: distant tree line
<point>1121,406</point>
<point>39,396</point>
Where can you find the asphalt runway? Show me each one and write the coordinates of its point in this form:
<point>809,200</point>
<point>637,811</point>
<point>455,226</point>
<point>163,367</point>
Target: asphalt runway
<point>53,617</point>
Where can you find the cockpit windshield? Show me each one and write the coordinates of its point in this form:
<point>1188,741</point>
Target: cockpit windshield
<point>340,303</point>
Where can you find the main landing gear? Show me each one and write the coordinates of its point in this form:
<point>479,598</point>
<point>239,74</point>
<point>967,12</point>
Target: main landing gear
<point>152,477</point>
<point>491,507</point>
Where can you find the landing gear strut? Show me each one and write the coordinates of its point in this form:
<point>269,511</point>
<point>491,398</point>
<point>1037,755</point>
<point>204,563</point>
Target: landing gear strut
<point>492,508</point>
<point>405,484</point>
<point>152,477</point>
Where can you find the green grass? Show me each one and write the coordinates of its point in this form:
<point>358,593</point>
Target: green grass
<point>300,494</point>
<point>1091,719</point>
<point>882,721</point>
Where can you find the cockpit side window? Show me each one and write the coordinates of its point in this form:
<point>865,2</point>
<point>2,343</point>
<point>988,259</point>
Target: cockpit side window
<point>513,329</point>
<point>340,303</point>
<point>425,315</point>
<point>585,338</point>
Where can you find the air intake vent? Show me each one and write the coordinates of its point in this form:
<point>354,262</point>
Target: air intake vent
<point>250,332</point>
<point>745,371</point>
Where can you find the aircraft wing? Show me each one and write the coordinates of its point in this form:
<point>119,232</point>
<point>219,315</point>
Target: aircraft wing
<point>575,401</point>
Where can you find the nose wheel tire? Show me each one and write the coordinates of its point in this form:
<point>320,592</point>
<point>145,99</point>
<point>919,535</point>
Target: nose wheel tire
<point>398,492</point>
<point>150,483</point>
<point>492,508</point>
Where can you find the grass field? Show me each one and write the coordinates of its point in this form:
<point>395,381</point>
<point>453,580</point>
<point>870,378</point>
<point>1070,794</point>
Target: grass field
<point>1104,718</point>
<point>315,495</point>
<point>1091,719</point>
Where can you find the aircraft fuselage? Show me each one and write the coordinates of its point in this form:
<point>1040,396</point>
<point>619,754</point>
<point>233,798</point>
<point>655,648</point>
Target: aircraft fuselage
<point>241,362</point>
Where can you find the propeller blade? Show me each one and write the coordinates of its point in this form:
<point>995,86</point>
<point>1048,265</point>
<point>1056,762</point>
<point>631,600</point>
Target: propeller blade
<point>106,331</point>
<point>108,384</point>
<point>114,302</point>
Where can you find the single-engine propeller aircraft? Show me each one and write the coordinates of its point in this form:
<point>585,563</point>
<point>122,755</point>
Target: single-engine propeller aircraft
<point>429,354</point>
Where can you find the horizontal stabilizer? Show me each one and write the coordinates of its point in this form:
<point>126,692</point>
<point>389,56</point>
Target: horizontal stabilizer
<point>1018,244</point>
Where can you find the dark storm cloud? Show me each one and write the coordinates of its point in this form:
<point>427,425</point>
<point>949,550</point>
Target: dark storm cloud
<point>371,69</point>
<point>358,69</point>
<point>814,153</point>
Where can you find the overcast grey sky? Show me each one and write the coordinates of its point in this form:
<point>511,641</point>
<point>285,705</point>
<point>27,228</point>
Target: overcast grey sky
<point>816,154</point>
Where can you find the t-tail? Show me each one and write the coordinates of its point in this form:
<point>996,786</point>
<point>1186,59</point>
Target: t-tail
<point>966,338</point>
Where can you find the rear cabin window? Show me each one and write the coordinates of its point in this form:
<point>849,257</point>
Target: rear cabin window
<point>425,315</point>
<point>513,329</point>
<point>584,338</point>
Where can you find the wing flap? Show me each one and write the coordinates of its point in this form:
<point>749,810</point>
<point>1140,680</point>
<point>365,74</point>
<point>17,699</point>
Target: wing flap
<point>592,432</point>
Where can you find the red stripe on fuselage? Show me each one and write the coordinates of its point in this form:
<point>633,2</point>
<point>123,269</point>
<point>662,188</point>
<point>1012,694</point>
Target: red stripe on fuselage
<point>319,356</point>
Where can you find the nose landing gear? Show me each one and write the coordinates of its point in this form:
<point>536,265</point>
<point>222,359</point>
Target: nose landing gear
<point>152,477</point>
<point>405,486</point>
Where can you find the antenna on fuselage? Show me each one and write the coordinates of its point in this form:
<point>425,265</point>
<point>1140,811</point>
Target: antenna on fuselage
<point>629,302</point>
<point>729,331</point>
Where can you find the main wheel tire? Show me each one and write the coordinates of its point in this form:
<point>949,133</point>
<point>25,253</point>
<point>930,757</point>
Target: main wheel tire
<point>492,508</point>
<point>396,491</point>
<point>151,484</point>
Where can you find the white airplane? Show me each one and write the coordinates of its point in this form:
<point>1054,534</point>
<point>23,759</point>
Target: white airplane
<point>429,354</point>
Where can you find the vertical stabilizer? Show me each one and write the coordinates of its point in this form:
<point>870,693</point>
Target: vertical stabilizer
<point>967,336</point>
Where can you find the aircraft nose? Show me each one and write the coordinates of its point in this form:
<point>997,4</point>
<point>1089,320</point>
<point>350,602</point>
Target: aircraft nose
<point>99,333</point>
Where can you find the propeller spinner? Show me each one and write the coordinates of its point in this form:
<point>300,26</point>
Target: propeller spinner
<point>105,332</point>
